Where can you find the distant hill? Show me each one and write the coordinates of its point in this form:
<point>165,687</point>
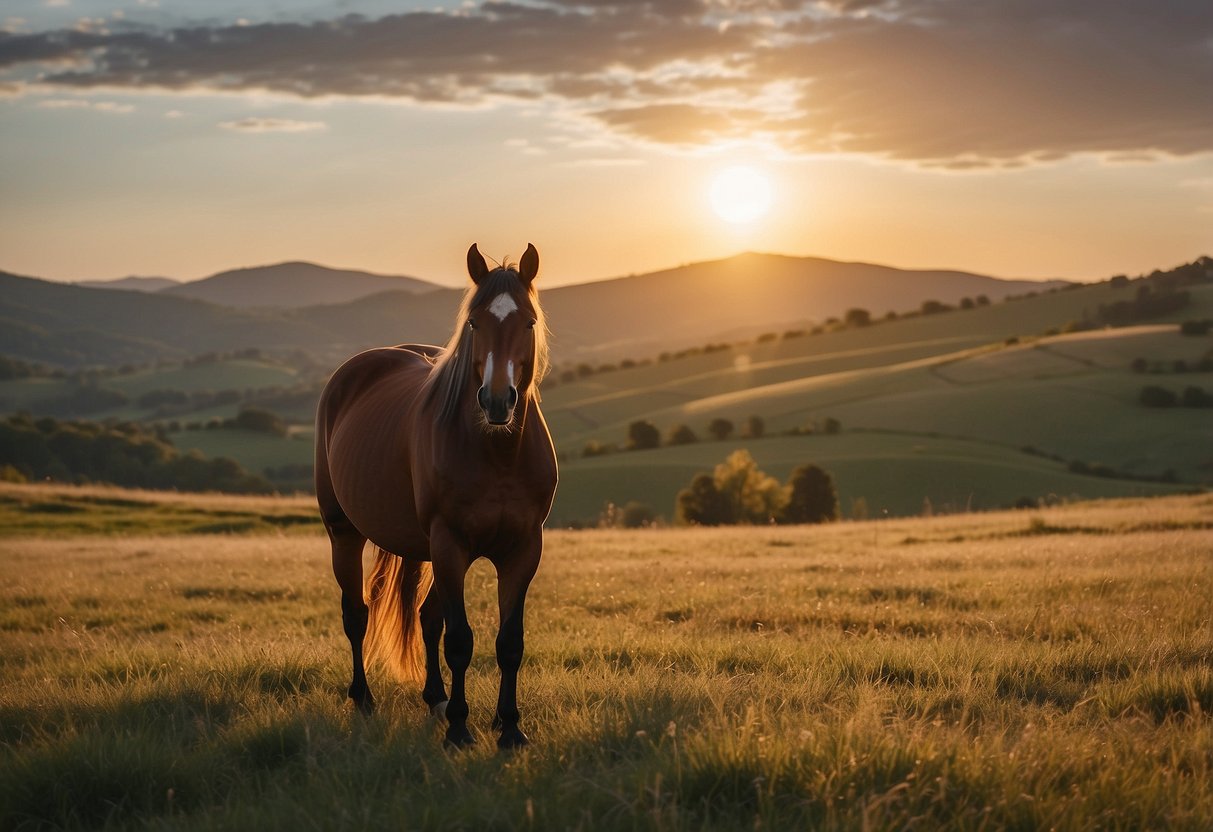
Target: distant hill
<point>131,284</point>
<point>748,294</point>
<point>737,297</point>
<point>72,326</point>
<point>293,285</point>
<point>634,317</point>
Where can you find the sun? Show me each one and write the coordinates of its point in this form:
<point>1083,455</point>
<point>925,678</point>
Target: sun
<point>740,195</point>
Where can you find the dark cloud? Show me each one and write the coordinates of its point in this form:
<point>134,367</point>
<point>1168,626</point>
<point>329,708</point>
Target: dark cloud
<point>954,83</point>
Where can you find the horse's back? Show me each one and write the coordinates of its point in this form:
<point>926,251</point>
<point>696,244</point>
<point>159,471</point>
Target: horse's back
<point>362,455</point>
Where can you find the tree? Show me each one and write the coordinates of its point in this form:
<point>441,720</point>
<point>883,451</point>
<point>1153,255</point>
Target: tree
<point>811,496</point>
<point>1196,397</point>
<point>721,429</point>
<point>858,317</point>
<point>934,307</point>
<point>735,492</point>
<point>755,427</point>
<point>701,504</point>
<point>261,421</point>
<point>832,425</point>
<point>642,434</point>
<point>682,435</point>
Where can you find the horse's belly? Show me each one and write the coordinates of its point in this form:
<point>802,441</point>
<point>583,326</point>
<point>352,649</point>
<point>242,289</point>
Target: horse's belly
<point>376,494</point>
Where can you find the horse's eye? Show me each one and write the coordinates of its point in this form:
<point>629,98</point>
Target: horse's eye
<point>531,324</point>
<point>471,324</point>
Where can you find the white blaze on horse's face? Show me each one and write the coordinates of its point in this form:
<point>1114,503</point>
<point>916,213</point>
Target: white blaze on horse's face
<point>488,370</point>
<point>505,344</point>
<point>503,305</point>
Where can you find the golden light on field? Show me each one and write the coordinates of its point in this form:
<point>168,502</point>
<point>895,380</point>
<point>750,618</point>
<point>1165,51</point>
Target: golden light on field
<point>740,194</point>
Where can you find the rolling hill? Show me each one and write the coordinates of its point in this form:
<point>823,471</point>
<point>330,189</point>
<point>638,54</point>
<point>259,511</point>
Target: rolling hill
<point>293,285</point>
<point>627,317</point>
<point>973,407</point>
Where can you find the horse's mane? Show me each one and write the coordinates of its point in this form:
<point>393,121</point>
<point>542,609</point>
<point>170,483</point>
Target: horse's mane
<point>452,369</point>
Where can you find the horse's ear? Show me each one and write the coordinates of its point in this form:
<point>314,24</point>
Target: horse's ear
<point>477,268</point>
<point>528,267</point>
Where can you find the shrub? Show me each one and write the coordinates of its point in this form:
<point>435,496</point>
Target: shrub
<point>1155,396</point>
<point>832,426</point>
<point>596,448</point>
<point>755,427</point>
<point>636,515</point>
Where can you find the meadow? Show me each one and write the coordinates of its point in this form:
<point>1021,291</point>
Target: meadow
<point>1013,670</point>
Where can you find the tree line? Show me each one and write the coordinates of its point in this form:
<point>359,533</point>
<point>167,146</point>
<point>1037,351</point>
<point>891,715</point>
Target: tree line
<point>126,454</point>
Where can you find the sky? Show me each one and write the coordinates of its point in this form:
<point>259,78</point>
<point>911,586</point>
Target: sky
<point>1018,138</point>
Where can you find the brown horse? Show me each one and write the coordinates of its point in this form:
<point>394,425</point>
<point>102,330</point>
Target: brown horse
<point>440,456</point>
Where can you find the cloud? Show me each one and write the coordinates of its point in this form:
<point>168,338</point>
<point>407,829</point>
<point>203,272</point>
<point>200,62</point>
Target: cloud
<point>956,84</point>
<point>254,124</point>
<point>85,104</point>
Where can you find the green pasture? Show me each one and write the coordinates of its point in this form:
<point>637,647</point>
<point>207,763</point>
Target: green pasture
<point>602,400</point>
<point>229,374</point>
<point>1070,395</point>
<point>255,451</point>
<point>898,474</point>
<point>1050,669</point>
<point>233,374</point>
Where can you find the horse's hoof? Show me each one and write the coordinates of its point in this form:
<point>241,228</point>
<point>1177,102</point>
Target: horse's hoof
<point>457,738</point>
<point>365,705</point>
<point>438,711</point>
<point>512,739</point>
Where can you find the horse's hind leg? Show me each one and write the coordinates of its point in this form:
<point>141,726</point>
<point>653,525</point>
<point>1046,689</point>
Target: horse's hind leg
<point>347,567</point>
<point>434,693</point>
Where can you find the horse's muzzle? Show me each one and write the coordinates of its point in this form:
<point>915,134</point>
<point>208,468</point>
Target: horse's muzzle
<point>498,410</point>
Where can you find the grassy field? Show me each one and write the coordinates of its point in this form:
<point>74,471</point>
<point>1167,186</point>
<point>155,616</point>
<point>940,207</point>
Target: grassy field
<point>1023,670</point>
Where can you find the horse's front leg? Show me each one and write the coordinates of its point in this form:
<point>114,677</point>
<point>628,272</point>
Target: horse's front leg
<point>451,560</point>
<point>513,578</point>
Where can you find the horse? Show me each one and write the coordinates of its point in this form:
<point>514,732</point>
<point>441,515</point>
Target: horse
<point>439,456</point>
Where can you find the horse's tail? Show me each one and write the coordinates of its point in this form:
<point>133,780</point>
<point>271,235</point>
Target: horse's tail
<point>395,589</point>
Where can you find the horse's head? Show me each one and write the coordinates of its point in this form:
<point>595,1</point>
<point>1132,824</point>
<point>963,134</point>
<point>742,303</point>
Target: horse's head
<point>506,329</point>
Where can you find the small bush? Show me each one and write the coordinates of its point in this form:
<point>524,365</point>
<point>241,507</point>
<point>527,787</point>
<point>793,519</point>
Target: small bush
<point>1154,396</point>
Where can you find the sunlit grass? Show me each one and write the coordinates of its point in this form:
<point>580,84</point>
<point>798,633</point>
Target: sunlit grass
<point>1048,669</point>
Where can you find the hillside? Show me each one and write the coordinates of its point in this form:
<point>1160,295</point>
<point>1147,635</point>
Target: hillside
<point>293,285</point>
<point>269,309</point>
<point>745,295</point>
<point>72,326</point>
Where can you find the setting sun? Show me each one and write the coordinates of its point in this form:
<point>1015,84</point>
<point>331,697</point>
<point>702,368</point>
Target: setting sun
<point>740,195</point>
